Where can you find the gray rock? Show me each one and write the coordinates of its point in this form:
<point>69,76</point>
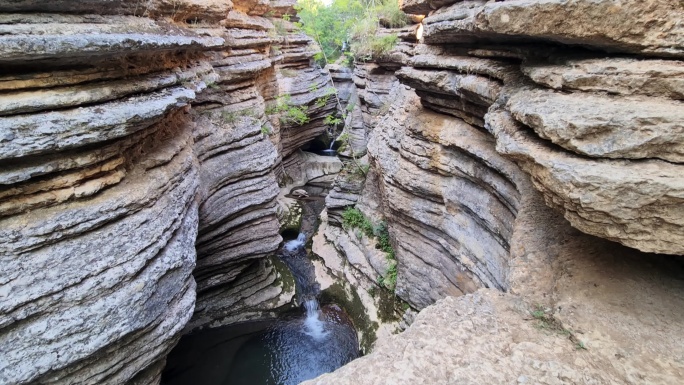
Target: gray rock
<point>630,29</point>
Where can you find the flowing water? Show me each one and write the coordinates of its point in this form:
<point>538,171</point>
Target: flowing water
<point>297,347</point>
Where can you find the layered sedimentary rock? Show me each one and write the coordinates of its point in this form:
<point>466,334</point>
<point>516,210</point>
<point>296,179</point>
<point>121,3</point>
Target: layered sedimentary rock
<point>97,198</point>
<point>450,200</point>
<point>110,181</point>
<point>516,162</point>
<point>597,121</point>
<point>238,225</point>
<point>650,28</point>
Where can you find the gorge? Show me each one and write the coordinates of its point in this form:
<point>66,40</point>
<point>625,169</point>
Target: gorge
<point>506,204</point>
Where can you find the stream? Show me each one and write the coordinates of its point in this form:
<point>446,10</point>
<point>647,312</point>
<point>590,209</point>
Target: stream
<point>296,347</point>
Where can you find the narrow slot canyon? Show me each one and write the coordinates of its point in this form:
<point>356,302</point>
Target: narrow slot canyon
<point>282,192</point>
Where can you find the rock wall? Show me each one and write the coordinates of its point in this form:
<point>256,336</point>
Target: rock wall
<point>98,215</point>
<point>114,192</point>
<point>527,140</point>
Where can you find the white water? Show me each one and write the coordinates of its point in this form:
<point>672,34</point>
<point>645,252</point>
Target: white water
<point>332,143</point>
<point>313,326</point>
<point>295,243</point>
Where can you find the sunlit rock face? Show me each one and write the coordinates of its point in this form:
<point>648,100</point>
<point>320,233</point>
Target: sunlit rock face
<point>139,174</point>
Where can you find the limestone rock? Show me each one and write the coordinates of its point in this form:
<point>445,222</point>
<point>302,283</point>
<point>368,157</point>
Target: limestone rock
<point>451,201</point>
<point>604,126</point>
<point>422,7</point>
<point>75,37</point>
<point>66,270</point>
<point>664,78</point>
<point>300,193</point>
<point>631,27</point>
<point>619,200</point>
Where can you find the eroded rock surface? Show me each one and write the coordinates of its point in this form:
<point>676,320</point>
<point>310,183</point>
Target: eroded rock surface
<point>116,196</point>
<point>514,158</point>
<point>97,197</point>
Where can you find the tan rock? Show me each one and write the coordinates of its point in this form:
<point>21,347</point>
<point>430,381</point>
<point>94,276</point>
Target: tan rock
<point>638,204</point>
<point>649,27</point>
<point>604,126</point>
<point>623,76</point>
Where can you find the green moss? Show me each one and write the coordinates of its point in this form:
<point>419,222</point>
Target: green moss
<point>285,277</point>
<point>293,219</point>
<point>337,294</point>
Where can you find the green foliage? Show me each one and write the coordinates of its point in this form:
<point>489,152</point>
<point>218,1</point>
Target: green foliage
<point>266,130</point>
<point>350,23</point>
<point>331,120</point>
<point>322,101</point>
<point>289,113</point>
<point>231,117</point>
<point>353,218</point>
<point>390,16</point>
<point>370,46</point>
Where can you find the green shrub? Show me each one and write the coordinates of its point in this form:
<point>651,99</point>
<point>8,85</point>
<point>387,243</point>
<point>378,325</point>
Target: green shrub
<point>289,113</point>
<point>322,101</point>
<point>350,21</point>
<point>331,120</point>
<point>353,218</point>
<point>390,16</point>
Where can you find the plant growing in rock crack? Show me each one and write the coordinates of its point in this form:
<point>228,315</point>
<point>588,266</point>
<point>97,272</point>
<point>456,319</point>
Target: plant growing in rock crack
<point>265,130</point>
<point>353,218</point>
<point>547,322</point>
<point>322,101</point>
<point>288,112</point>
<point>331,120</point>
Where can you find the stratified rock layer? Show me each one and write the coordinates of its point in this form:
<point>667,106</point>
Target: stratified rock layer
<point>110,184</point>
<point>450,200</point>
<point>547,131</point>
<point>97,196</point>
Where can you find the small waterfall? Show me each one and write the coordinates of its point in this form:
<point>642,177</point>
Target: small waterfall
<point>295,243</point>
<point>302,269</point>
<point>332,143</point>
<point>313,325</point>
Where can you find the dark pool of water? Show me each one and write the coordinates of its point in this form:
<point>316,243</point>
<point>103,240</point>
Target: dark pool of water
<point>292,349</point>
<point>285,352</point>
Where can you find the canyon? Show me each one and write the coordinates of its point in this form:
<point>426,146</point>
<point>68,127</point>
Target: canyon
<point>517,166</point>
